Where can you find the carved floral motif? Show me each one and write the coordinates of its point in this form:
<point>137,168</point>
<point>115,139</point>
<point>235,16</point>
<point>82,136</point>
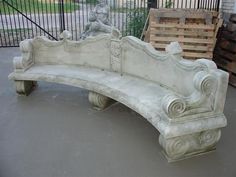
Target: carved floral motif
<point>115,55</point>
<point>115,48</point>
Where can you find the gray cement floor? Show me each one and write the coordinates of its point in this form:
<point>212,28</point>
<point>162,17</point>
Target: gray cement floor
<point>55,133</point>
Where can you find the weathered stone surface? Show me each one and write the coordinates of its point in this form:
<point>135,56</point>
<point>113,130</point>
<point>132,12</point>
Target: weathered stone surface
<point>99,22</point>
<point>24,87</point>
<point>99,101</point>
<point>182,99</point>
<point>182,147</point>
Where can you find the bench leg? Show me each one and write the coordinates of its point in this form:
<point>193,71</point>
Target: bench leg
<point>182,147</point>
<point>25,87</point>
<point>99,101</point>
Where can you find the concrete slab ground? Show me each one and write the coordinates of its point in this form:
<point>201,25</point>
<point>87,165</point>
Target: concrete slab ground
<point>77,141</point>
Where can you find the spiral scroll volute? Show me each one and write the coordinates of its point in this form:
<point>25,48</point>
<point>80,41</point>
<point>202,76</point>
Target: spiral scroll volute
<point>22,62</point>
<point>205,82</point>
<point>26,45</point>
<point>173,106</point>
<point>26,49</point>
<point>175,147</point>
<point>209,138</point>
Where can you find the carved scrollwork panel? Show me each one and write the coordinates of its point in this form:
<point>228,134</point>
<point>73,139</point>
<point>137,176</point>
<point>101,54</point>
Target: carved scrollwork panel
<point>26,46</point>
<point>115,48</point>
<point>203,98</point>
<point>180,147</point>
<point>205,82</point>
<point>173,106</point>
<point>99,101</point>
<point>209,138</point>
<point>115,56</point>
<point>175,147</point>
<point>23,62</point>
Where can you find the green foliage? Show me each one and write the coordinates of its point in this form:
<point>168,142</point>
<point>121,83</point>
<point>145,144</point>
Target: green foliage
<point>91,1</point>
<point>36,6</point>
<point>168,4</point>
<point>136,21</point>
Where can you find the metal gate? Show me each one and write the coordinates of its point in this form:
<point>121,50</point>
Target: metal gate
<point>22,19</point>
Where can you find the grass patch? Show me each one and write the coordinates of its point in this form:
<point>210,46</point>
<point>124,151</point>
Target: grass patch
<point>36,6</point>
<point>18,30</point>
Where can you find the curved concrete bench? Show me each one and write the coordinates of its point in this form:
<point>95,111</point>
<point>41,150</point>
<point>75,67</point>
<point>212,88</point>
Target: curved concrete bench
<point>183,99</point>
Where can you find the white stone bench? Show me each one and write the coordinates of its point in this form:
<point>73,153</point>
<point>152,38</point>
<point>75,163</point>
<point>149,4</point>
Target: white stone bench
<point>182,99</point>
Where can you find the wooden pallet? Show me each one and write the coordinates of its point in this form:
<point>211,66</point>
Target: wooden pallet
<point>226,61</point>
<point>225,50</point>
<point>224,54</point>
<point>232,77</point>
<point>195,30</point>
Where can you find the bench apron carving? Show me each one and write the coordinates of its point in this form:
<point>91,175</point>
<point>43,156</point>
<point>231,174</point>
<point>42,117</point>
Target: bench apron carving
<point>182,99</point>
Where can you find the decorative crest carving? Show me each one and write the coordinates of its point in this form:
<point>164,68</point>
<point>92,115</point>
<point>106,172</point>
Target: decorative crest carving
<point>115,56</point>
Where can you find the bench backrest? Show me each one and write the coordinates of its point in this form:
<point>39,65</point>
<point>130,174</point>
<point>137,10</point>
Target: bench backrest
<point>180,75</point>
<point>132,56</point>
<point>91,52</point>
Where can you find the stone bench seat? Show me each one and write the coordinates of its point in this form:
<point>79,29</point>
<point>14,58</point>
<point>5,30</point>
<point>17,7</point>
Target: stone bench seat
<point>183,100</point>
<point>125,89</point>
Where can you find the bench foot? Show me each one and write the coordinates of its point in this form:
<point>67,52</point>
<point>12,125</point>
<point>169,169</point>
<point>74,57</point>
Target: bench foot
<point>99,101</point>
<point>182,147</point>
<point>25,87</point>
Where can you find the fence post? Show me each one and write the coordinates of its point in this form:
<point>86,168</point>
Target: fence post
<point>152,4</point>
<point>61,15</point>
<point>198,4</point>
<point>218,6</point>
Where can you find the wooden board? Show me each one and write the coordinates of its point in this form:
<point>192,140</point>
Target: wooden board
<point>227,65</point>
<point>195,30</point>
<point>225,52</point>
<point>232,77</point>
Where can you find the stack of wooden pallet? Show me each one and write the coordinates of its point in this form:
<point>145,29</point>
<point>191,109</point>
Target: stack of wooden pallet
<point>195,30</point>
<point>225,51</point>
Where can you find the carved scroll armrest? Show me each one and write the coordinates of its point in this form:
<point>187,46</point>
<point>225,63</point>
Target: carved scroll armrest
<point>200,101</point>
<point>173,106</point>
<point>26,60</point>
<point>205,83</point>
<point>213,84</point>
